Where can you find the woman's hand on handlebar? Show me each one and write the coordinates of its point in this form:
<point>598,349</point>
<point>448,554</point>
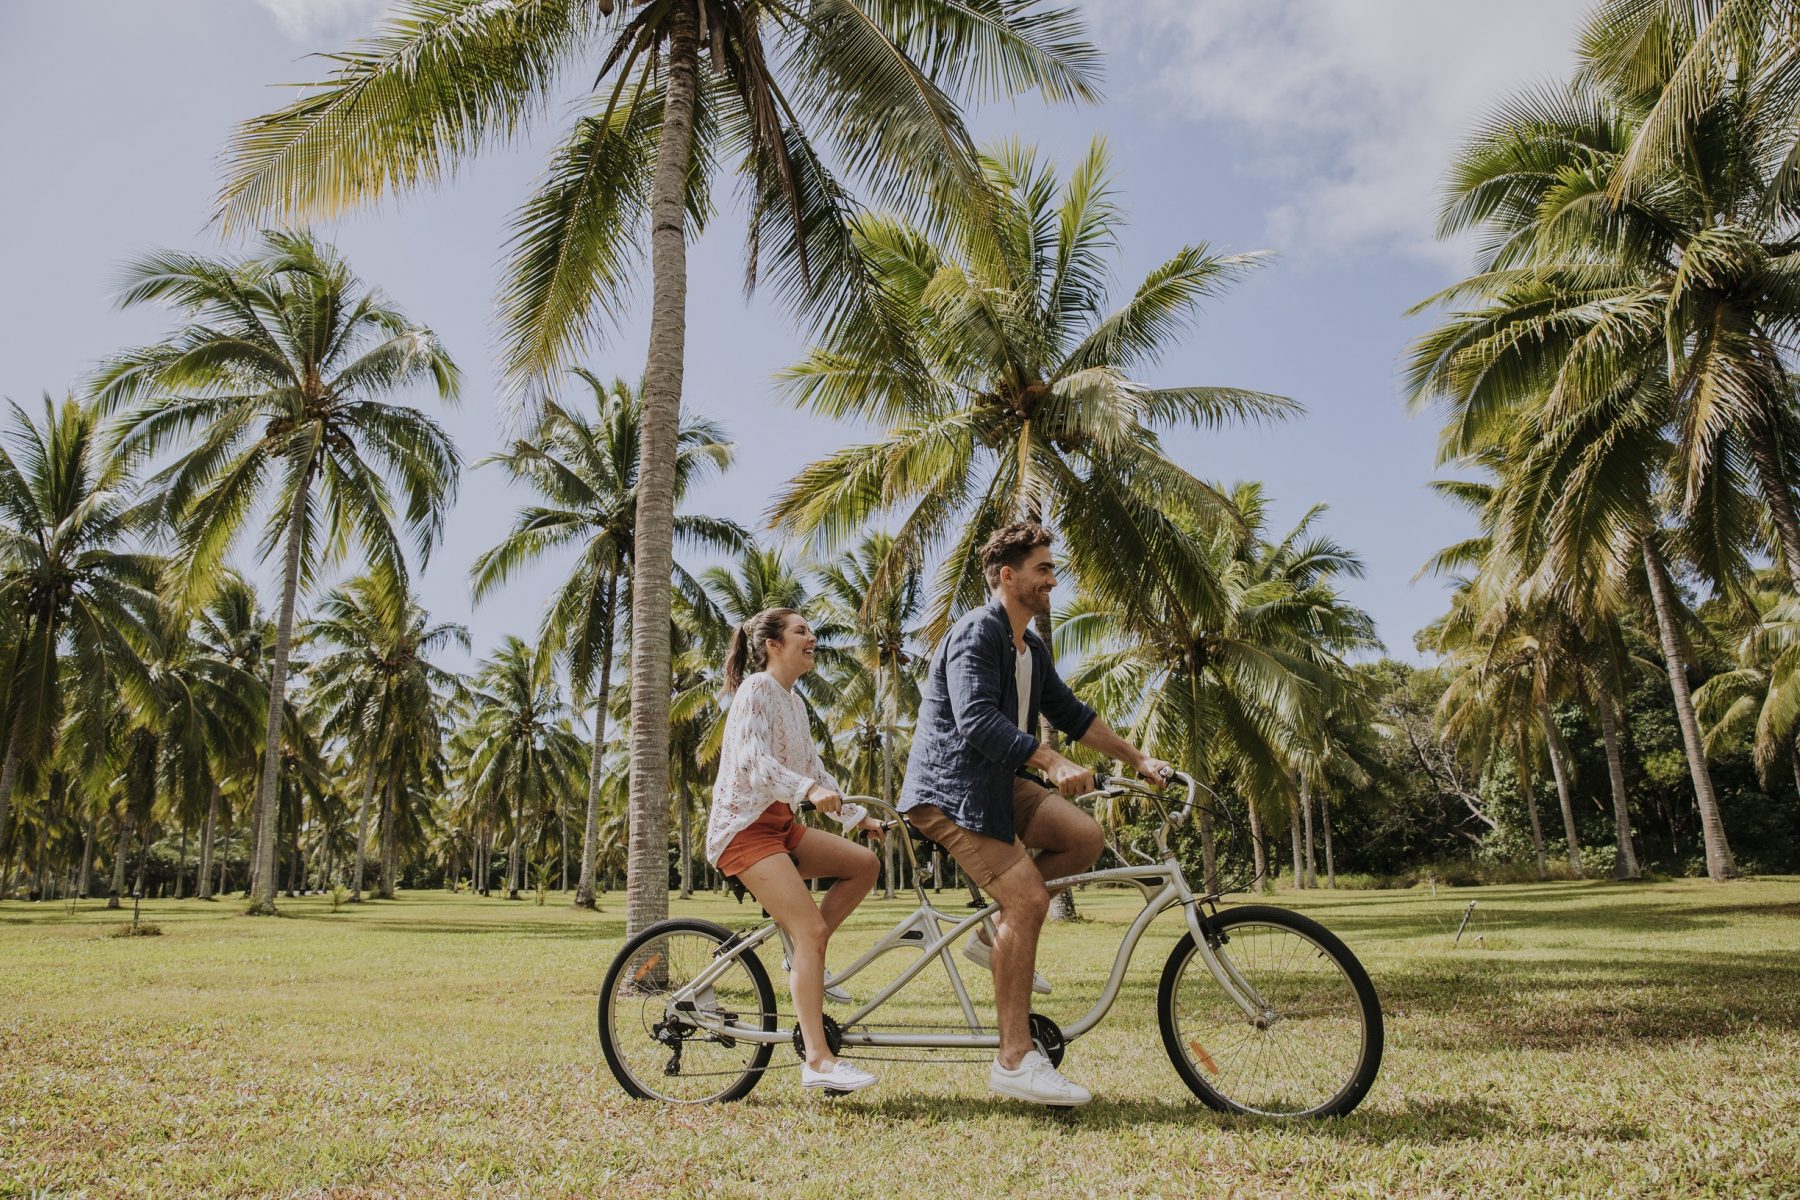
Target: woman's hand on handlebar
<point>872,827</point>
<point>824,799</point>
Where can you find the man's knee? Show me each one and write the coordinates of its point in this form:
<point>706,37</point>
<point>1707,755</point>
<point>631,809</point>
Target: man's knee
<point>1087,841</point>
<point>1021,896</point>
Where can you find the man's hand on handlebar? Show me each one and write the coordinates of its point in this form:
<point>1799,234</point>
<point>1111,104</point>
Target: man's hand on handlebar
<point>1155,770</point>
<point>1070,778</point>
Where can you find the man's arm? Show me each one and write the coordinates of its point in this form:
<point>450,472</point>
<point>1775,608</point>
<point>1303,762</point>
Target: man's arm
<point>1072,779</point>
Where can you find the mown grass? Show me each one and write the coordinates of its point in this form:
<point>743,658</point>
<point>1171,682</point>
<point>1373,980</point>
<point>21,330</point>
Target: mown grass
<point>1583,1039</point>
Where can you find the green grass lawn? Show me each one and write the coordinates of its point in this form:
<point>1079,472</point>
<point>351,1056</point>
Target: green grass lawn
<point>1584,1039</point>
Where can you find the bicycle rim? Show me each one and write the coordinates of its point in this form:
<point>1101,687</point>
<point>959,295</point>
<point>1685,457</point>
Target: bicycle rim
<point>1314,1047</point>
<point>654,1052</point>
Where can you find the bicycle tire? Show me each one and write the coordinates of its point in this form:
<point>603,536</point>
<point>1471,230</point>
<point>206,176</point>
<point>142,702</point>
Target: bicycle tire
<point>610,1039</point>
<point>1356,1082</point>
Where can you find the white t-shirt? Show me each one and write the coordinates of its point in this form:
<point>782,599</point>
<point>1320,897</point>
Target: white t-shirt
<point>1022,676</point>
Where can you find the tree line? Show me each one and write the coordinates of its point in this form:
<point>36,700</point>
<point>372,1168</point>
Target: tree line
<point>1611,376</point>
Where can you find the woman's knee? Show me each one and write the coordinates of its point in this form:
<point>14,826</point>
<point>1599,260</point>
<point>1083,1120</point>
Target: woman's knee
<point>868,865</point>
<point>810,932</point>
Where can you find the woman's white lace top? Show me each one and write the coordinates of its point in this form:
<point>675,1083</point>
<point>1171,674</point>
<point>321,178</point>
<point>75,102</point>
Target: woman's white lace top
<point>768,755</point>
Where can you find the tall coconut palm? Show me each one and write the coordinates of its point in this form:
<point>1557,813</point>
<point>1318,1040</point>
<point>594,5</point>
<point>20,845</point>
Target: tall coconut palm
<point>1228,653</point>
<point>1757,703</point>
<point>521,753</point>
<point>232,628</point>
<point>69,582</point>
<point>1631,350</point>
<point>444,78</point>
<point>1018,392</point>
<point>876,685</point>
<point>376,686</point>
<point>584,470</point>
<point>278,372</point>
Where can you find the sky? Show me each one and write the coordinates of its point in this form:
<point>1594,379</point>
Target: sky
<point>1315,129</point>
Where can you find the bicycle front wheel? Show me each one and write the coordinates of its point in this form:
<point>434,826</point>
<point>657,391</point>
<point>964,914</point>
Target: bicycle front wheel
<point>655,1048</point>
<point>1314,1044</point>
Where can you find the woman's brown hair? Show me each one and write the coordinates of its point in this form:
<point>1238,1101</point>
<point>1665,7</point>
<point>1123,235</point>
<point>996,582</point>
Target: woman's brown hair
<point>749,652</point>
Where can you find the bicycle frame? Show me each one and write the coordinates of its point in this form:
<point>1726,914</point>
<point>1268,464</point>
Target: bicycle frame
<point>1162,884</point>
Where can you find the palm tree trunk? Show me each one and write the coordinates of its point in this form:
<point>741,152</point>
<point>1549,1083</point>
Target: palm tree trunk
<point>562,846</point>
<point>362,830</point>
<point>225,858</point>
<point>390,842</point>
<point>203,883</point>
<point>647,864</point>
<point>515,867</point>
<point>1258,850</point>
<point>1529,794</point>
<point>1306,814</point>
<point>120,854</point>
<point>687,833</point>
<point>181,861</point>
<point>1777,493</point>
<point>1294,839</point>
<point>1560,768</point>
<point>1330,862</point>
<point>262,902</point>
<point>890,705</point>
<point>1626,867</point>
<point>1794,765</point>
<point>87,859</point>
<point>9,779</point>
<point>590,830</point>
<point>1719,864</point>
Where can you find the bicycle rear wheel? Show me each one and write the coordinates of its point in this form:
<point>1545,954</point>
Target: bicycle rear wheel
<point>1315,1046</point>
<point>654,1050</point>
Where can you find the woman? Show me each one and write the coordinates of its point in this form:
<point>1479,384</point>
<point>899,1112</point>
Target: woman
<point>767,767</point>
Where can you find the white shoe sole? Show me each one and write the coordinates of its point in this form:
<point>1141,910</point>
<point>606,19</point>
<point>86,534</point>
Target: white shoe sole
<point>999,1088</point>
<point>834,1088</point>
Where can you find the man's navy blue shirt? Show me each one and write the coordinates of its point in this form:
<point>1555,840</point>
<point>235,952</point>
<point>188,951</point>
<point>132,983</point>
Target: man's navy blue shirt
<point>967,746</point>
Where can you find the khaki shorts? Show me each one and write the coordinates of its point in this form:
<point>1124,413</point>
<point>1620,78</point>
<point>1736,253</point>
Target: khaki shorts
<point>983,858</point>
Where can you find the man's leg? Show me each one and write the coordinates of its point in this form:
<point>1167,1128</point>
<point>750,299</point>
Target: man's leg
<point>1019,890</point>
<point>1067,840</point>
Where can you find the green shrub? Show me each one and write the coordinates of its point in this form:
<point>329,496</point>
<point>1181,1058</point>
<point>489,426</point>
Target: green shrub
<point>338,895</point>
<point>138,929</point>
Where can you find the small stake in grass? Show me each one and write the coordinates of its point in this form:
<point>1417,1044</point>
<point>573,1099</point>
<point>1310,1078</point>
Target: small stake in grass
<point>1467,913</point>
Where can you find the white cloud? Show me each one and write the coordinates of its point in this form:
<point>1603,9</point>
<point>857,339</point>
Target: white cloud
<point>1357,104</point>
<point>306,19</point>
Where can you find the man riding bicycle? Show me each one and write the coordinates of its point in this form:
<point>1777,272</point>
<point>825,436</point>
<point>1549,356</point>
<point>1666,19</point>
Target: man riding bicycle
<point>989,682</point>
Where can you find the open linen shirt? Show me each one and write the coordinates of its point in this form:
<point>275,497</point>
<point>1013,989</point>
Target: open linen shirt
<point>768,755</point>
<point>967,745</point>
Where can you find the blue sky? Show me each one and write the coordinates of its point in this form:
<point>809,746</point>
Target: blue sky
<point>1314,128</point>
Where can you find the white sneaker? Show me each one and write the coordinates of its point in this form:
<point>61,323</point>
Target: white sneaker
<point>1036,1080</point>
<point>840,1076</point>
<point>982,955</point>
<point>833,993</point>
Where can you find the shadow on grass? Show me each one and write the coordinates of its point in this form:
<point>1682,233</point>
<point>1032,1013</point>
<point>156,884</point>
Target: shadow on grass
<point>601,929</point>
<point>1574,1004</point>
<point>1433,1121</point>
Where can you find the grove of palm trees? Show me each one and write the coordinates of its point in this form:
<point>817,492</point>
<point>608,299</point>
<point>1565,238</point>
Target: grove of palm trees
<point>281,638</point>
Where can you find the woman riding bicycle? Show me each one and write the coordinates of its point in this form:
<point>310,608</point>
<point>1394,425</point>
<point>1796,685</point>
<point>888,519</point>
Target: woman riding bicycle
<point>768,766</point>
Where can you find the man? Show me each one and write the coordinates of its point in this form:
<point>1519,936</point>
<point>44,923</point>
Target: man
<point>988,683</point>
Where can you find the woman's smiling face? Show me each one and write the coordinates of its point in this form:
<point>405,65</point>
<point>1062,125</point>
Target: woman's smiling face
<point>797,648</point>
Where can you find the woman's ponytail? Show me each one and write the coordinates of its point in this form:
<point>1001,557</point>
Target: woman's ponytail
<point>749,649</point>
<point>736,658</point>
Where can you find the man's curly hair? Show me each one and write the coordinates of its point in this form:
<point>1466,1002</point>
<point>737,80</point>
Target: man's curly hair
<point>1009,546</point>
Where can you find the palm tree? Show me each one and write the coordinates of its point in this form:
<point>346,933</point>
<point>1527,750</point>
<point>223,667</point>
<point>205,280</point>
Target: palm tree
<point>279,370</point>
<point>521,754</point>
<point>585,472</point>
<point>1227,653</point>
<point>874,681</point>
<point>1758,702</point>
<point>377,686</point>
<point>67,584</point>
<point>1015,392</point>
<point>446,77</point>
<point>232,628</point>
<point>1629,350</point>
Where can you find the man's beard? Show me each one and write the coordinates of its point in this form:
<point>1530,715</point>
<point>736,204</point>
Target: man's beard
<point>1038,601</point>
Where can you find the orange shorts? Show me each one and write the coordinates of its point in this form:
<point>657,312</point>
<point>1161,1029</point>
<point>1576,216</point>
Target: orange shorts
<point>775,832</point>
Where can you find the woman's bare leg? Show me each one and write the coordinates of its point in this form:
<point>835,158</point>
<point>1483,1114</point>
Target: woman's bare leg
<point>824,855</point>
<point>778,887</point>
